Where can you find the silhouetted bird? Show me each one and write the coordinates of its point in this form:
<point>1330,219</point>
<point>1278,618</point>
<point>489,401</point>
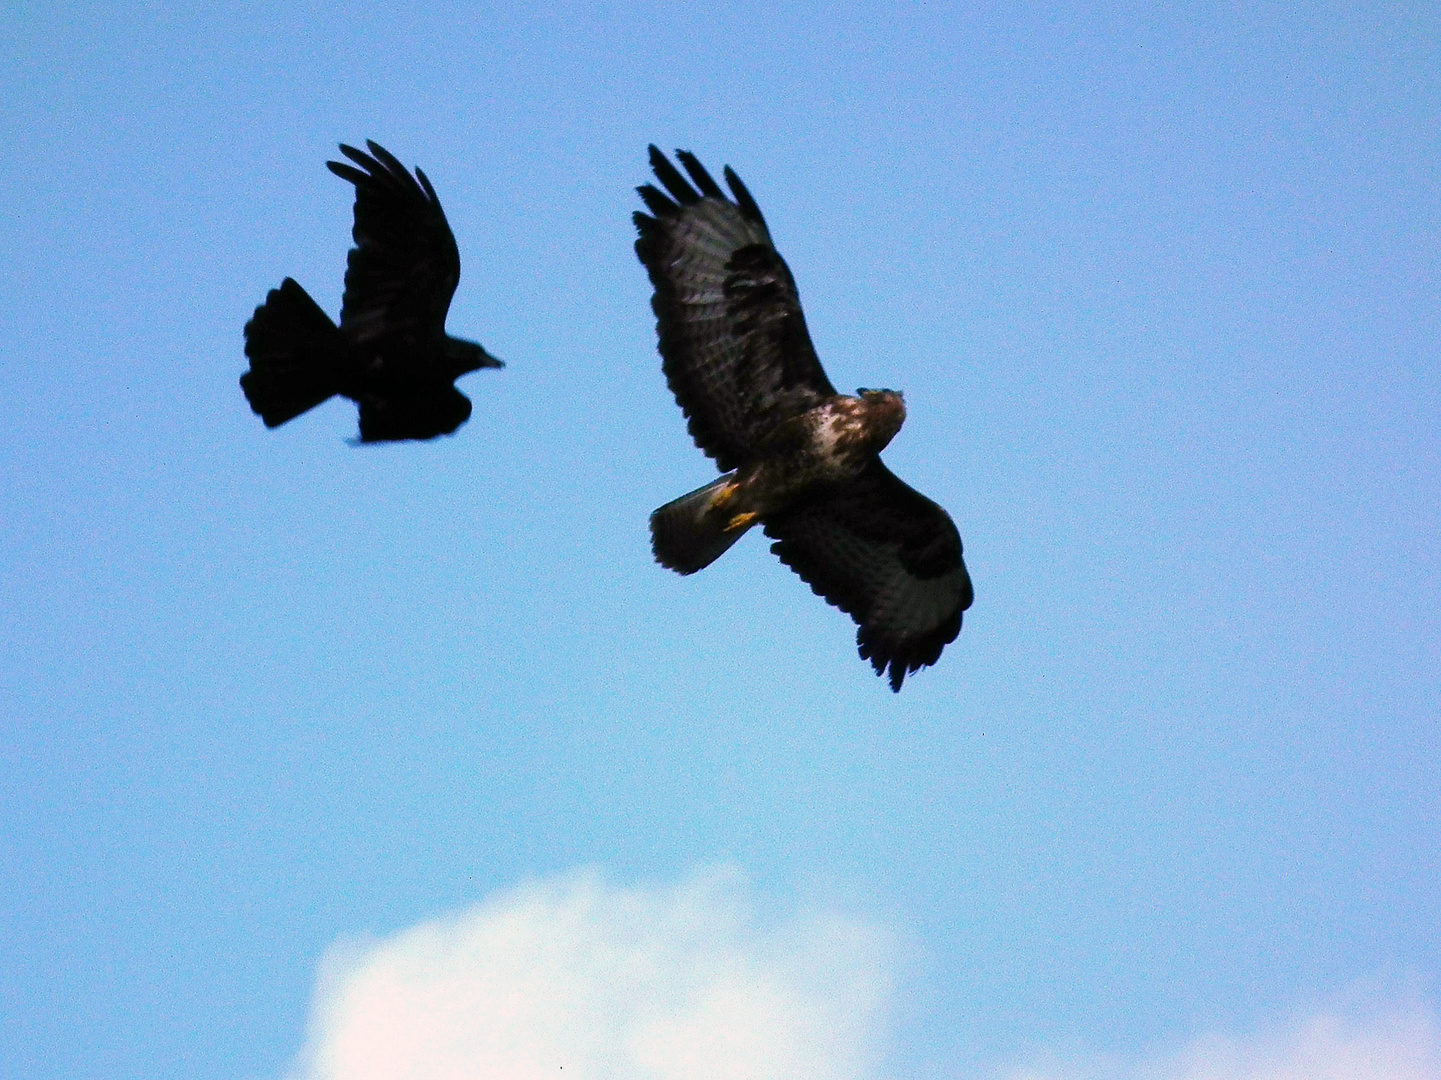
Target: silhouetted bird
<point>799,458</point>
<point>390,354</point>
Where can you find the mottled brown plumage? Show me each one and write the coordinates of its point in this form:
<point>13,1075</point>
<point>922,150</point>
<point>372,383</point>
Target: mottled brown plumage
<point>799,458</point>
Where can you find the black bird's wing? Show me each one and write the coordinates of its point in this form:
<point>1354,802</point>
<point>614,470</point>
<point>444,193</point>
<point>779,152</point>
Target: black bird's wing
<point>890,558</point>
<point>405,265</point>
<point>436,409</point>
<point>733,340</point>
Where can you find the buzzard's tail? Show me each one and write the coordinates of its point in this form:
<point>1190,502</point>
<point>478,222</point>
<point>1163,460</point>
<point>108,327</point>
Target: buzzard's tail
<point>695,530</point>
<point>296,355</point>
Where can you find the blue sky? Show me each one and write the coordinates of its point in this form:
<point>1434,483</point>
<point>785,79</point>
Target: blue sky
<point>1161,290</point>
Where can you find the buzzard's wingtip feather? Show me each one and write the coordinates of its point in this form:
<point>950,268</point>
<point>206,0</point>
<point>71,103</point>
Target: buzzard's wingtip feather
<point>656,202</point>
<point>703,179</point>
<point>671,178</point>
<point>743,197</point>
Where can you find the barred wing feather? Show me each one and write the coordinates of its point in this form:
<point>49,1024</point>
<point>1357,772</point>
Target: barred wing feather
<point>733,339</point>
<point>887,556</point>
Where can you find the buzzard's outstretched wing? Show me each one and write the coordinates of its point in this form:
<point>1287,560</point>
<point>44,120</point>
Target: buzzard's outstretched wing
<point>404,267</point>
<point>732,337</point>
<point>889,557</point>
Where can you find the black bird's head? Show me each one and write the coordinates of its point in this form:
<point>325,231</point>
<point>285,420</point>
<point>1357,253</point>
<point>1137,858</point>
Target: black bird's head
<point>463,357</point>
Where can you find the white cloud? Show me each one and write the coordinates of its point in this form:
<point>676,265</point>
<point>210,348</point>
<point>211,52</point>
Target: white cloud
<point>575,979</point>
<point>1388,1043</point>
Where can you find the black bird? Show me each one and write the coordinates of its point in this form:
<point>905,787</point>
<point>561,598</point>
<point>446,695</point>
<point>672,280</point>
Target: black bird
<point>799,459</point>
<point>390,354</point>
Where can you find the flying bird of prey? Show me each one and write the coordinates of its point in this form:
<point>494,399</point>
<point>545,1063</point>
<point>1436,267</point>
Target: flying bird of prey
<point>390,354</point>
<point>798,458</point>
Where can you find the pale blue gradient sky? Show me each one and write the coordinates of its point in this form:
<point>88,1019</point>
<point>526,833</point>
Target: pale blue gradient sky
<point>1161,290</point>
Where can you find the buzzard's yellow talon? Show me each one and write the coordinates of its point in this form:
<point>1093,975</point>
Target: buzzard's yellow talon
<point>741,521</point>
<point>724,497</point>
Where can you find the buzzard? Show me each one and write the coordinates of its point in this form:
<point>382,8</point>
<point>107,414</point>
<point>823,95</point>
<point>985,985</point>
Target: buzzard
<point>390,354</point>
<point>798,458</point>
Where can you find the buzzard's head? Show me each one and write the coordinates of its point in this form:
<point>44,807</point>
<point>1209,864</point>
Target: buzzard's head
<point>885,412</point>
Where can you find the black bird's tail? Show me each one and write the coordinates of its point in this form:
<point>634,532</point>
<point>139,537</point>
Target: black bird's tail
<point>297,355</point>
<point>690,533</point>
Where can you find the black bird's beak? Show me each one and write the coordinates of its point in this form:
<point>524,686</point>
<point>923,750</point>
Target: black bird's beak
<point>479,358</point>
<point>463,357</point>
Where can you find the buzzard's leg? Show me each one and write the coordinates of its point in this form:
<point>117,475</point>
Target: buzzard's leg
<point>693,531</point>
<point>725,496</point>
